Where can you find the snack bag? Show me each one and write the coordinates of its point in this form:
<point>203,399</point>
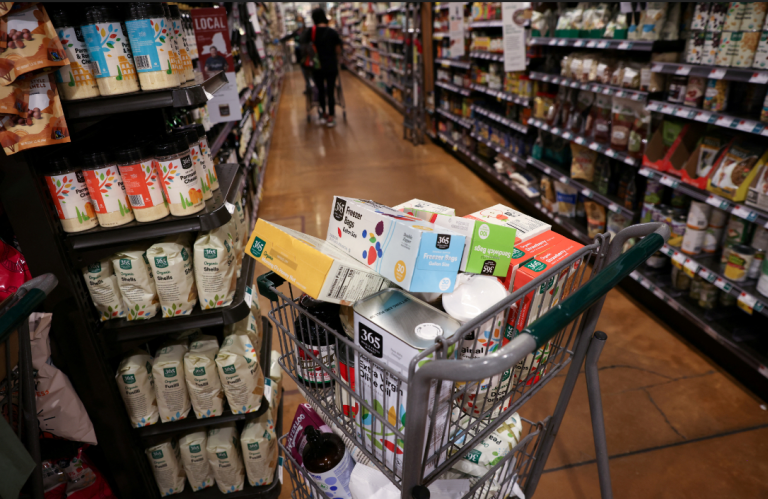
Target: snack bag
<point>240,373</point>
<point>259,443</point>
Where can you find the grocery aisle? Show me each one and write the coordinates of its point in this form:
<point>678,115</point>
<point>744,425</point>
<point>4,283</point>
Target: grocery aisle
<point>663,401</point>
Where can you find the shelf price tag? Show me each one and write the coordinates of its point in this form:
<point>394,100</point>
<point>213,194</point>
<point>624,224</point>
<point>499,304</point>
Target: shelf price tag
<point>745,213</point>
<point>630,161</point>
<point>726,121</point>
<point>717,202</point>
<point>636,96</point>
<point>759,78</point>
<point>722,284</point>
<point>746,302</point>
<point>594,146</point>
<point>575,84</point>
<point>578,43</point>
<point>691,267</point>
<point>717,74</point>
<point>657,68</point>
<point>591,44</point>
<point>613,207</point>
<point>707,275</point>
<point>746,125</point>
<point>610,153</point>
<point>646,284</point>
<point>567,135</point>
<point>636,275</point>
<point>678,260</point>
<point>645,172</point>
<point>445,64</point>
<point>248,297</point>
<point>564,180</point>
<point>667,250</point>
<point>669,181</point>
<point>683,70</point>
<point>587,193</point>
<point>681,112</point>
<point>547,170</point>
<point>562,43</point>
<point>625,46</point>
<point>667,108</point>
<point>602,45</point>
<point>660,294</point>
<point>579,140</point>
<point>702,116</point>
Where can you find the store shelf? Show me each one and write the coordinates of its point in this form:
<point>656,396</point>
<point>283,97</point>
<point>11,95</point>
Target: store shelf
<point>398,106</point>
<point>452,63</point>
<point>453,88</point>
<point>609,44</point>
<point>635,95</point>
<point>488,56</point>
<point>500,94</point>
<point>500,119</point>
<point>595,146</point>
<point>512,157</point>
<point>711,72</point>
<point>390,40</point>
<point>391,54</point>
<point>396,70</point>
<point>254,138</point>
<point>466,123</point>
<point>494,23</point>
<point>709,117</point>
<point>190,94</point>
<point>119,331</point>
<point>215,214</point>
<point>749,213</point>
<point>587,189</point>
<point>216,144</point>
<point>395,9</point>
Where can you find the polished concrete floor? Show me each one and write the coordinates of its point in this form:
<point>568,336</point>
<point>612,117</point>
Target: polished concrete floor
<point>677,425</point>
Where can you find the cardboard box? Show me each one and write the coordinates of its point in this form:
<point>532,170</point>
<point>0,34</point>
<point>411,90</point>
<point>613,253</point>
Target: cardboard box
<point>527,227</point>
<point>412,253</point>
<point>314,266</point>
<point>488,248</point>
<point>688,172</point>
<point>672,160</point>
<point>424,210</point>
<point>528,249</point>
<point>757,195</point>
<point>727,188</point>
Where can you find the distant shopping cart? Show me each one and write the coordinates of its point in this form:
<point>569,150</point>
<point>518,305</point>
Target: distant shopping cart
<point>313,100</point>
<point>481,397</point>
<point>17,390</point>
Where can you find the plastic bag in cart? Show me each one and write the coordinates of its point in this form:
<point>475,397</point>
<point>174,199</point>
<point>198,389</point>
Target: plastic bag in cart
<point>13,270</point>
<point>370,483</point>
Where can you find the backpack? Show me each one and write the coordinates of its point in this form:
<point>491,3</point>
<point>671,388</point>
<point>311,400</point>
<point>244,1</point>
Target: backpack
<point>309,51</point>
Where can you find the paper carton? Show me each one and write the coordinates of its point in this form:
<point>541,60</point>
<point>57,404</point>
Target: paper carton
<point>672,160</point>
<point>316,267</point>
<point>412,253</point>
<point>424,210</point>
<point>689,175</point>
<point>527,227</point>
<point>488,248</point>
<point>528,249</point>
<point>758,189</point>
<point>730,177</point>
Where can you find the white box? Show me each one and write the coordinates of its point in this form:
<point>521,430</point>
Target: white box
<point>424,210</point>
<point>527,227</point>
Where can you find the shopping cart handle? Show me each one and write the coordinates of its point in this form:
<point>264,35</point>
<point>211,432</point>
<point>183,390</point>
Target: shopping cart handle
<point>267,282</point>
<point>26,299</point>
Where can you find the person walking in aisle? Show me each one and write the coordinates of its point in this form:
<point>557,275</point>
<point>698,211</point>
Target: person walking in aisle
<point>327,44</point>
<point>296,37</point>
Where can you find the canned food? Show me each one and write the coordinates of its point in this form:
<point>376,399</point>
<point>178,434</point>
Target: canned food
<point>716,95</point>
<point>693,241</point>
<point>698,215</point>
<point>760,237</point>
<point>718,218</point>
<point>679,279</point>
<point>712,237</point>
<point>762,283</point>
<point>737,264</point>
<point>707,295</point>
<point>757,263</point>
<point>726,299</point>
<point>738,230</point>
<point>678,231</point>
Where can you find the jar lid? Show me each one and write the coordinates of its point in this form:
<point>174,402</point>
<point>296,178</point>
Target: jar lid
<point>175,12</point>
<point>59,165</point>
<point>189,133</point>
<point>199,128</point>
<point>173,144</point>
<point>94,159</point>
<point>143,10</point>
<point>130,155</point>
<point>102,13</point>
<point>743,249</point>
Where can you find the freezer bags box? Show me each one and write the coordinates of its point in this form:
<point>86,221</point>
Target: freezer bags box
<point>410,252</point>
<point>527,227</point>
<point>314,266</point>
<point>424,210</point>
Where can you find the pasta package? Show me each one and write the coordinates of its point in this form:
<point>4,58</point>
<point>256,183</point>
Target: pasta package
<point>165,460</point>
<point>137,286</point>
<point>240,373</point>
<point>171,263</point>
<point>104,289</point>
<point>215,268</point>
<point>31,44</point>
<point>259,444</point>
<point>224,455</point>
<point>203,383</point>
<point>194,459</point>
<point>137,387</point>
<point>171,388</point>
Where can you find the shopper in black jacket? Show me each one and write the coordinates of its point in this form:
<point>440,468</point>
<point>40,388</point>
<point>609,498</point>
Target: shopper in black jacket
<point>328,45</point>
<point>295,35</point>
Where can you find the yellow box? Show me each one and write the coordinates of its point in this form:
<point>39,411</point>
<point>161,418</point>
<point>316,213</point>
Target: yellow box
<point>739,194</point>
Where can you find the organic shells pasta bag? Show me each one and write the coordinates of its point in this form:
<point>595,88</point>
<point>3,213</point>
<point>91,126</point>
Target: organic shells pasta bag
<point>224,455</point>
<point>31,43</point>
<point>137,387</point>
<point>171,263</point>
<point>202,377</point>
<point>105,292</point>
<point>194,459</point>
<point>215,269</point>
<point>137,286</point>
<point>171,385</point>
<point>165,461</point>
<point>259,444</point>
<point>240,373</point>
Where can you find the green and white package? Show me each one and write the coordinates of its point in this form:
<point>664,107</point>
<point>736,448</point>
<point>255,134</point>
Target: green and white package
<point>488,247</point>
<point>492,449</point>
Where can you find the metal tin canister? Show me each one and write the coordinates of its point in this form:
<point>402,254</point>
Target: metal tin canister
<point>707,295</point>
<point>762,283</point>
<point>718,218</point>
<point>756,265</point>
<point>712,237</point>
<point>693,241</point>
<point>698,215</point>
<point>739,259</point>
<point>738,230</point>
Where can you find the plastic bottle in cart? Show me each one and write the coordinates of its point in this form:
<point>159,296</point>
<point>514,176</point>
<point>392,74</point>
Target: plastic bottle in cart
<point>328,463</point>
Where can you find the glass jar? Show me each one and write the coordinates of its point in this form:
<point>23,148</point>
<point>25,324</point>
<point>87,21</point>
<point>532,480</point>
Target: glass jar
<point>70,196</point>
<point>206,154</point>
<point>106,189</point>
<point>136,165</point>
<point>77,80</point>
<point>109,50</point>
<point>150,33</point>
<point>180,182</point>
<point>181,44</point>
<point>190,135</point>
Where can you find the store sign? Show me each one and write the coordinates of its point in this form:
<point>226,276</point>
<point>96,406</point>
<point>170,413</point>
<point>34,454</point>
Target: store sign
<point>215,54</point>
<point>513,17</point>
<point>456,26</point>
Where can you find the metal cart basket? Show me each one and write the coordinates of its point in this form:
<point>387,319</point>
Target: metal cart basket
<point>453,402</point>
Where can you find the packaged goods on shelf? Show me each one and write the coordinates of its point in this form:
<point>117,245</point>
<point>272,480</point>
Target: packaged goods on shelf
<point>250,325</point>
<point>757,194</point>
<point>104,289</point>
<point>137,387</point>
<point>240,373</point>
<point>111,55</point>
<point>241,221</point>
<point>165,461</point>
<point>214,265</point>
<point>136,283</point>
<point>193,142</point>
<point>181,185</point>
<point>735,169</point>
<point>205,155</point>
<point>149,34</point>
<point>76,80</point>
<point>424,210</point>
<point>106,188</point>
<point>276,376</point>
<point>170,381</point>
<point>259,446</point>
<point>202,377</point>
<point>141,182</point>
<point>172,269</point>
<point>70,196</point>
<point>225,457</point>
<point>194,459</point>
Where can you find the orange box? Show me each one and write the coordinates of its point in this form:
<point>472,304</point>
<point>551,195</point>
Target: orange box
<point>526,250</point>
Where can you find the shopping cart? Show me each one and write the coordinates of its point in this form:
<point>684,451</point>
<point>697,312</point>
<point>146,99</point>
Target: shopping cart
<point>18,387</point>
<point>313,100</point>
<point>481,398</point>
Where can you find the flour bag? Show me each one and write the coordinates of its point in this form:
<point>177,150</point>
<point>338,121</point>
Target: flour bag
<point>214,264</point>
<point>259,444</point>
<point>170,383</point>
<point>224,455</point>
<point>137,286</point>
<point>137,387</point>
<point>171,264</point>
<point>194,459</point>
<point>202,377</point>
<point>240,373</point>
<point>104,289</point>
<point>165,461</point>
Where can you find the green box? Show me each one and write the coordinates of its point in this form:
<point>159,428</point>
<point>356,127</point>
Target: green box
<point>488,247</point>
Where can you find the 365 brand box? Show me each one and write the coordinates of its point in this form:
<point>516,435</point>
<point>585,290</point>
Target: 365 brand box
<point>410,252</point>
<point>314,266</point>
<point>527,227</point>
<point>526,250</point>
<point>424,210</point>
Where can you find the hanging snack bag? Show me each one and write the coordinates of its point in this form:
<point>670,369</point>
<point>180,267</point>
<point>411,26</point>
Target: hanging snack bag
<point>174,277</point>
<point>215,269</point>
<point>137,286</point>
<point>31,44</point>
<point>203,383</point>
<point>240,373</point>
<point>224,456</point>
<point>70,196</point>
<point>76,80</point>
<point>566,199</point>
<point>137,387</point>
<point>259,445</point>
<point>165,461</point>
<point>194,459</point>
<point>106,188</point>
<point>171,387</point>
<point>105,292</point>
<point>110,50</point>
<point>583,162</point>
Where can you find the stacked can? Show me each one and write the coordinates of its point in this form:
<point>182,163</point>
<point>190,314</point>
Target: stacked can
<point>696,228</point>
<point>736,250</point>
<point>760,245</point>
<point>714,232</point>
